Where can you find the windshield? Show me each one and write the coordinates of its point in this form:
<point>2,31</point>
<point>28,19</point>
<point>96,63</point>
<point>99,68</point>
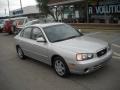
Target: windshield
<point>61,32</point>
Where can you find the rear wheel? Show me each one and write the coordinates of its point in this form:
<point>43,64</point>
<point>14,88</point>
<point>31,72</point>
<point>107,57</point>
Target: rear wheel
<point>12,30</point>
<point>1,30</point>
<point>60,67</point>
<point>20,53</point>
<point>10,33</point>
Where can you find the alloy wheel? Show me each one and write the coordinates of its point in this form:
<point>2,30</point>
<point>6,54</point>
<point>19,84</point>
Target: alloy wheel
<point>60,67</point>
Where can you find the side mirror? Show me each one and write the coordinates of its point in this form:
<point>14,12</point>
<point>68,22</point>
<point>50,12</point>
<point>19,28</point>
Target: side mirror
<point>79,30</point>
<point>40,39</point>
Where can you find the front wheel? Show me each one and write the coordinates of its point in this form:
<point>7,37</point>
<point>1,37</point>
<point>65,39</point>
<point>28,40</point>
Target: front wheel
<point>60,67</point>
<point>20,53</point>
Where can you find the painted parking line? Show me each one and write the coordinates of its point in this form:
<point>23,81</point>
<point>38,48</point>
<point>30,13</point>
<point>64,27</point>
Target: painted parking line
<point>116,54</point>
<point>118,46</point>
<point>93,33</point>
<point>115,57</point>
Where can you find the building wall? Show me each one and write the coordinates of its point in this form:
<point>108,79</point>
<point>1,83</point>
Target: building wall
<point>30,9</point>
<point>26,10</point>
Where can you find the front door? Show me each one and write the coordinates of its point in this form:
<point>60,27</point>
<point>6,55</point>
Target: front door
<point>40,49</point>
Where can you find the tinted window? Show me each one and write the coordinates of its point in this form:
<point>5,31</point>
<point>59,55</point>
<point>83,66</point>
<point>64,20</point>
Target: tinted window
<point>26,33</point>
<point>36,33</point>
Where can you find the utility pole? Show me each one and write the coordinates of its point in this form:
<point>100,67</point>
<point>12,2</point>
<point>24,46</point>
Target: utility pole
<point>86,2</point>
<point>5,11</point>
<point>105,14</point>
<point>21,5</point>
<point>8,7</point>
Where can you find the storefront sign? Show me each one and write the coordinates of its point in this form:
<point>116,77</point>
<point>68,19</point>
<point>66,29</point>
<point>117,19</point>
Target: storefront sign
<point>102,9</point>
<point>17,12</point>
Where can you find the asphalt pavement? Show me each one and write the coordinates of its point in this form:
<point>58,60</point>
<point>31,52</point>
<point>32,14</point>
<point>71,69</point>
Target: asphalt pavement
<point>29,74</point>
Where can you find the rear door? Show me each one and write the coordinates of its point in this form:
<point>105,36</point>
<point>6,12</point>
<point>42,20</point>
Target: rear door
<point>25,41</point>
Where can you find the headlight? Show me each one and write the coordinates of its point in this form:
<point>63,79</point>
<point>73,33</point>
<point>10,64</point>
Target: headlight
<point>84,56</point>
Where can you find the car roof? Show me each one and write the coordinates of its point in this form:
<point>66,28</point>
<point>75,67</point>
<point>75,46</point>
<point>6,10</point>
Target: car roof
<point>46,24</point>
<point>33,20</point>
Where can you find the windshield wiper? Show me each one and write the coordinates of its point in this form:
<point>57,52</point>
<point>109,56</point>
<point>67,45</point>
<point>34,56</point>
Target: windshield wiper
<point>72,37</point>
<point>59,40</point>
<point>67,38</point>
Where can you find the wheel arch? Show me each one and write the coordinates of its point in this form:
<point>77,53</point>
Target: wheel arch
<point>54,56</point>
<point>66,65</point>
<point>17,46</point>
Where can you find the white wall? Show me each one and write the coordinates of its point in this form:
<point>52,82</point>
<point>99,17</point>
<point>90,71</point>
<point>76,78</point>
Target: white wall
<point>26,10</point>
<point>30,9</point>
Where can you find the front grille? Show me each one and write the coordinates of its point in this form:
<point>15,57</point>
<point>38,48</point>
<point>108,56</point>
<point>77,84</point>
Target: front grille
<point>102,52</point>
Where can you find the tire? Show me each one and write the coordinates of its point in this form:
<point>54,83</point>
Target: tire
<point>10,33</point>
<point>60,67</point>
<point>12,30</point>
<point>1,30</point>
<point>20,53</point>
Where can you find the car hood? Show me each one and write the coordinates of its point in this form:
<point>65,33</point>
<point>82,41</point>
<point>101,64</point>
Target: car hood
<point>82,44</point>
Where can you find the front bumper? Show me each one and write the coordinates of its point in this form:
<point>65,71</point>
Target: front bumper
<point>84,67</point>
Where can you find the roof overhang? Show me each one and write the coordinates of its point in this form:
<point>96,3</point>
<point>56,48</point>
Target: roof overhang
<point>65,2</point>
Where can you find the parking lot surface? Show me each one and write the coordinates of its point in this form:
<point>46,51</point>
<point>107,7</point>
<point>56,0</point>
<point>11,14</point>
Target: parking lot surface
<point>29,74</point>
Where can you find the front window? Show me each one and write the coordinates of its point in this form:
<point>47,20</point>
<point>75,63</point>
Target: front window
<point>36,33</point>
<point>61,32</point>
<point>26,33</point>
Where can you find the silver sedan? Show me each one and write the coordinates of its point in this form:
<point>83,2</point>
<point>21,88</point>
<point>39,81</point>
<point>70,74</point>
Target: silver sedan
<point>63,47</point>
